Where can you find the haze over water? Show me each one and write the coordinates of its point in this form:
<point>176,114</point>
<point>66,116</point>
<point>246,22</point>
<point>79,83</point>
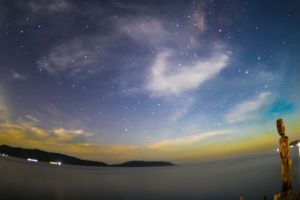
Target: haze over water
<point>251,177</point>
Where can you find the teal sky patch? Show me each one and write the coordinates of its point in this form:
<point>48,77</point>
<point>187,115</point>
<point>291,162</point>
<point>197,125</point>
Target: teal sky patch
<point>281,108</point>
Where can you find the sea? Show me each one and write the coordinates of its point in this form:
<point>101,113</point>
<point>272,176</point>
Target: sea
<point>253,177</point>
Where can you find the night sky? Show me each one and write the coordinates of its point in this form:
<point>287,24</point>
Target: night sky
<point>182,81</point>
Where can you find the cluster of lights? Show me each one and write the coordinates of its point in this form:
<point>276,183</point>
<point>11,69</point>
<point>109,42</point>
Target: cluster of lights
<point>35,160</point>
<point>51,162</point>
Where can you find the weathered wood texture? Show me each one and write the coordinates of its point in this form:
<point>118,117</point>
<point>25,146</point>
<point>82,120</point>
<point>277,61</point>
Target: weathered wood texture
<point>294,195</point>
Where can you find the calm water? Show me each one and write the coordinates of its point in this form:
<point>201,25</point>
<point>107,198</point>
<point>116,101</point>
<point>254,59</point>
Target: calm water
<point>229,179</point>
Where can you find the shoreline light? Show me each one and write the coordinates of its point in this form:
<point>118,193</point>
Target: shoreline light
<point>32,160</point>
<point>55,163</point>
<point>4,155</point>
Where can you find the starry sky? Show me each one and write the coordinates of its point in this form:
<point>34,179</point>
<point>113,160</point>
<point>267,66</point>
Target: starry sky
<point>175,80</point>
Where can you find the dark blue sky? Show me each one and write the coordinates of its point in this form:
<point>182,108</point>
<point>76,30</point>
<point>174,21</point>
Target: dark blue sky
<point>147,77</point>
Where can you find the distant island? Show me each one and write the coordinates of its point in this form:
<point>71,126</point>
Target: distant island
<point>50,157</point>
<point>137,163</point>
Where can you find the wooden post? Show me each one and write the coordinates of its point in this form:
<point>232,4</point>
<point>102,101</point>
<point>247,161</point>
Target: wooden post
<point>276,196</point>
<point>241,198</point>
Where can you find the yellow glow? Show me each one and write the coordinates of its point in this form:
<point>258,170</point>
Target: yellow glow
<point>202,146</point>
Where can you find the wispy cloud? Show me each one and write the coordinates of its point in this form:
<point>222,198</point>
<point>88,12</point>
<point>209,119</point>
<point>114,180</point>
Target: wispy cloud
<point>75,142</point>
<point>31,118</point>
<point>164,81</point>
<point>73,57</point>
<point>18,76</point>
<point>30,132</point>
<point>248,109</point>
<point>66,135</point>
<point>145,32</point>
<point>51,6</point>
<point>173,144</point>
<point>183,104</point>
<point>88,55</point>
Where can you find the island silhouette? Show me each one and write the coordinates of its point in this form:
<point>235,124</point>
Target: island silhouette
<point>44,156</point>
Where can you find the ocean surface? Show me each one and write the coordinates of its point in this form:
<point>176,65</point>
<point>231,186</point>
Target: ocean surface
<point>251,177</point>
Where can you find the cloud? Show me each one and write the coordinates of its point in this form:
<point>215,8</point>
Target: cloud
<point>31,118</point>
<point>86,51</point>
<point>27,121</point>
<point>38,132</point>
<point>174,144</point>
<point>29,132</point>
<point>66,135</point>
<point>74,142</point>
<point>182,106</point>
<point>164,81</point>
<point>145,32</point>
<point>27,129</point>
<point>247,110</point>
<point>74,57</point>
<point>20,132</point>
<point>88,54</point>
<point>18,76</point>
<point>93,51</point>
<point>49,5</point>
